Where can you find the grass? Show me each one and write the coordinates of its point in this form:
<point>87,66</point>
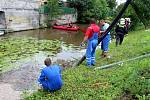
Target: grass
<point>130,81</point>
<point>136,44</point>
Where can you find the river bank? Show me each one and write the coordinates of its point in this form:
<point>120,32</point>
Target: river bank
<point>124,81</point>
<point>23,53</point>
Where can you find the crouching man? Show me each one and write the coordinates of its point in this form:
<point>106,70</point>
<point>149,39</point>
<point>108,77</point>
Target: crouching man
<point>50,78</point>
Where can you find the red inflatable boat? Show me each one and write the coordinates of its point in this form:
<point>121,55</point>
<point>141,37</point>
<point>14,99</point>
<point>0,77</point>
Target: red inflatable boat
<point>74,28</point>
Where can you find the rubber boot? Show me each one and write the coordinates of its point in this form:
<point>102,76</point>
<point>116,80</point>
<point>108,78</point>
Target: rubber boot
<point>106,55</point>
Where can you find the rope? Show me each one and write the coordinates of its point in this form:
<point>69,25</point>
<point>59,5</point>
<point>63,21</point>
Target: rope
<point>109,28</point>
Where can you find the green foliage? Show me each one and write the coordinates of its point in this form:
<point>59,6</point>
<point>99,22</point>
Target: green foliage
<point>127,81</point>
<point>100,9</point>
<point>112,5</point>
<point>130,13</point>
<point>142,8</point>
<point>90,8</point>
<point>52,10</point>
<point>15,48</point>
<point>138,11</point>
<point>67,10</point>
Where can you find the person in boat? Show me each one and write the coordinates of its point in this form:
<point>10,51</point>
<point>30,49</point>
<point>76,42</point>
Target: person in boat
<point>69,25</point>
<point>91,37</point>
<point>105,42</point>
<point>50,78</point>
<point>55,24</point>
<point>120,32</point>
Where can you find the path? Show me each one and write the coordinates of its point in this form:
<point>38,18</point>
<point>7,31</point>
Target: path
<point>6,92</point>
<point>12,83</point>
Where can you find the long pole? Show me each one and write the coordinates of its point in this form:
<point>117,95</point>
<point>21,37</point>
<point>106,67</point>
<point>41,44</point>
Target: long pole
<point>109,28</point>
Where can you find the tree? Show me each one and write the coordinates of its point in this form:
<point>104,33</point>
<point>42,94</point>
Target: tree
<point>138,11</point>
<point>90,8</point>
<point>130,13</point>
<point>112,5</point>
<point>53,9</point>
<point>142,8</point>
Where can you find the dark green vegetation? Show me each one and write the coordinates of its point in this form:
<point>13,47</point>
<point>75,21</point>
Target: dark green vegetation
<point>138,11</point>
<point>13,49</point>
<point>142,8</point>
<point>130,13</point>
<point>53,9</point>
<point>90,8</point>
<point>128,81</point>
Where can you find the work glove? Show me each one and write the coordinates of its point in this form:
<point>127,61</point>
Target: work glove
<point>81,44</point>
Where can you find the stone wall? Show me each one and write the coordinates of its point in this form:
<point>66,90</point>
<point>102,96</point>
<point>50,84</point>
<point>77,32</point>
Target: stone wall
<point>2,20</point>
<point>67,18</point>
<point>20,14</point>
<point>17,15</point>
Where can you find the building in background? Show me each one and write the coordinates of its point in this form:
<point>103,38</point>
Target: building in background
<point>17,15</point>
<point>69,15</point>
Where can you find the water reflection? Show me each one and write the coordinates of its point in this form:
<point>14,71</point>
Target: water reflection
<point>69,37</point>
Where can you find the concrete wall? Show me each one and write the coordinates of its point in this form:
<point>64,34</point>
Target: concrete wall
<point>20,14</point>
<point>22,19</point>
<point>2,20</point>
<point>67,18</point>
<point>23,15</point>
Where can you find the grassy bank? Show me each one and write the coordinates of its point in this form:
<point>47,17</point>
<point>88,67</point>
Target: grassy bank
<point>128,81</point>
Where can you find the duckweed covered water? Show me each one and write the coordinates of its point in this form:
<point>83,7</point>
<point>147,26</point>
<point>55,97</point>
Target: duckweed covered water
<point>16,48</point>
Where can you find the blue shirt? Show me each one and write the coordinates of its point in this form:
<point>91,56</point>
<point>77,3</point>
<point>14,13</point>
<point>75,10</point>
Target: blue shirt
<point>104,27</point>
<point>50,78</point>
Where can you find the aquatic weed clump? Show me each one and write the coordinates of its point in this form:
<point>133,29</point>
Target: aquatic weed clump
<point>16,48</point>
